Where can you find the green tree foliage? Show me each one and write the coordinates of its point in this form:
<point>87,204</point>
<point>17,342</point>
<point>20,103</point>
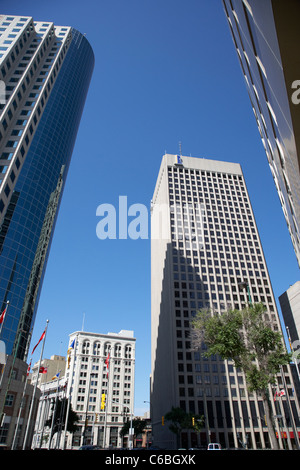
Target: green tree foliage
<point>139,425</point>
<point>245,337</point>
<point>59,409</point>
<point>180,420</point>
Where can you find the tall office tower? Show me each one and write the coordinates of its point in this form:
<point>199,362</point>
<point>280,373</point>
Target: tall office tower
<point>266,34</point>
<point>100,376</point>
<point>46,72</point>
<point>204,246</point>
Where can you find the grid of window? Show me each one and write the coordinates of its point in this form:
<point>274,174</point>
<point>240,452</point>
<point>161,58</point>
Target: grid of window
<point>93,357</point>
<point>91,380</point>
<point>215,241</point>
<point>215,247</point>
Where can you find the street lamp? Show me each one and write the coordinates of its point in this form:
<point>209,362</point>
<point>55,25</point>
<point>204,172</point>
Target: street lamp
<point>151,417</point>
<point>245,285</point>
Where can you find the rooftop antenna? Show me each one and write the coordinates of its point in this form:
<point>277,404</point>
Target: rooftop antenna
<point>180,149</point>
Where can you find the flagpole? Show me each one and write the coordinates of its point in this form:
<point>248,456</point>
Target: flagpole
<point>35,387</point>
<point>69,395</point>
<point>53,414</point>
<point>19,414</point>
<point>4,313</point>
<point>106,400</point>
<point>39,420</point>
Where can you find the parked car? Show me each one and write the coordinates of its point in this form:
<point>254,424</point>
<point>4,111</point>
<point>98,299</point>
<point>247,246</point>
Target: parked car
<point>214,446</point>
<point>89,447</point>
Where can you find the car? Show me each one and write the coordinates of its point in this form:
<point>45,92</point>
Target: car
<point>214,446</point>
<point>89,447</point>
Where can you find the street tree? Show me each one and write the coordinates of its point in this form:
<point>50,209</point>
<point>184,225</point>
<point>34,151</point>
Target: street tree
<point>245,337</point>
<point>57,419</point>
<point>139,426</point>
<point>180,420</point>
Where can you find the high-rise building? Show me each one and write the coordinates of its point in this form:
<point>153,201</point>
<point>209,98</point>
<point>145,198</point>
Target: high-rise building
<point>45,71</point>
<point>265,35</point>
<point>100,378</point>
<point>205,248</point>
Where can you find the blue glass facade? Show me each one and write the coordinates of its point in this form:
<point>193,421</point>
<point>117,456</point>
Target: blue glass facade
<point>25,235</point>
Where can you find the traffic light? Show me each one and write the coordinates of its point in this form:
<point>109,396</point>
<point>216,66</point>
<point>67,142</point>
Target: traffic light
<point>103,397</point>
<point>97,418</point>
<point>193,421</point>
<point>162,420</point>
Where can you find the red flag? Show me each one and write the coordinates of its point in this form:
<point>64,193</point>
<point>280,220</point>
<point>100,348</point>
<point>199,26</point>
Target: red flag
<point>107,363</point>
<point>42,337</point>
<point>2,315</point>
<point>43,370</point>
<point>28,370</point>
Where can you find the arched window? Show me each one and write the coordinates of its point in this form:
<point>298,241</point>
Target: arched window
<point>107,349</point>
<point>96,348</point>
<point>85,347</point>
<point>117,351</point>
<point>127,351</point>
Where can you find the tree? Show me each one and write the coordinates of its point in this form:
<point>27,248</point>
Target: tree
<point>245,337</point>
<point>181,420</point>
<point>139,426</point>
<point>59,409</point>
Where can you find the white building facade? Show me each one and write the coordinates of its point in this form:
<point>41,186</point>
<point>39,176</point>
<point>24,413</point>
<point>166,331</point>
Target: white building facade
<point>101,368</point>
<point>204,246</point>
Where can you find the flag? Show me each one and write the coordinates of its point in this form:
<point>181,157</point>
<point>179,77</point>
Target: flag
<point>107,364</point>
<point>179,160</point>
<point>28,370</point>
<point>2,315</point>
<point>56,376</point>
<point>279,393</point>
<point>43,370</point>
<point>71,346</point>
<point>41,338</point>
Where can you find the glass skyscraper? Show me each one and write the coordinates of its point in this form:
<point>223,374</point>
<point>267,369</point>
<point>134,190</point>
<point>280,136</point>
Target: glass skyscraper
<point>46,71</point>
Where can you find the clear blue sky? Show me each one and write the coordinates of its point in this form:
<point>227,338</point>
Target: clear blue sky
<point>165,72</point>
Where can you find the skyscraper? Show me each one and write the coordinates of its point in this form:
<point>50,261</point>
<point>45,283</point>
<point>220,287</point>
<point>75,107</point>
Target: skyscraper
<point>266,37</point>
<point>46,72</point>
<point>205,248</point>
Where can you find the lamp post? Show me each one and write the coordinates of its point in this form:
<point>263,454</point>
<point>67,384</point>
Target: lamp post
<point>84,434</point>
<point>151,417</point>
<point>125,405</point>
<point>245,285</point>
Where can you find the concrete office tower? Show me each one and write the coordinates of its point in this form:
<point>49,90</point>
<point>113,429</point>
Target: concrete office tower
<point>101,364</point>
<point>204,244</point>
<point>45,71</point>
<point>266,35</point>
